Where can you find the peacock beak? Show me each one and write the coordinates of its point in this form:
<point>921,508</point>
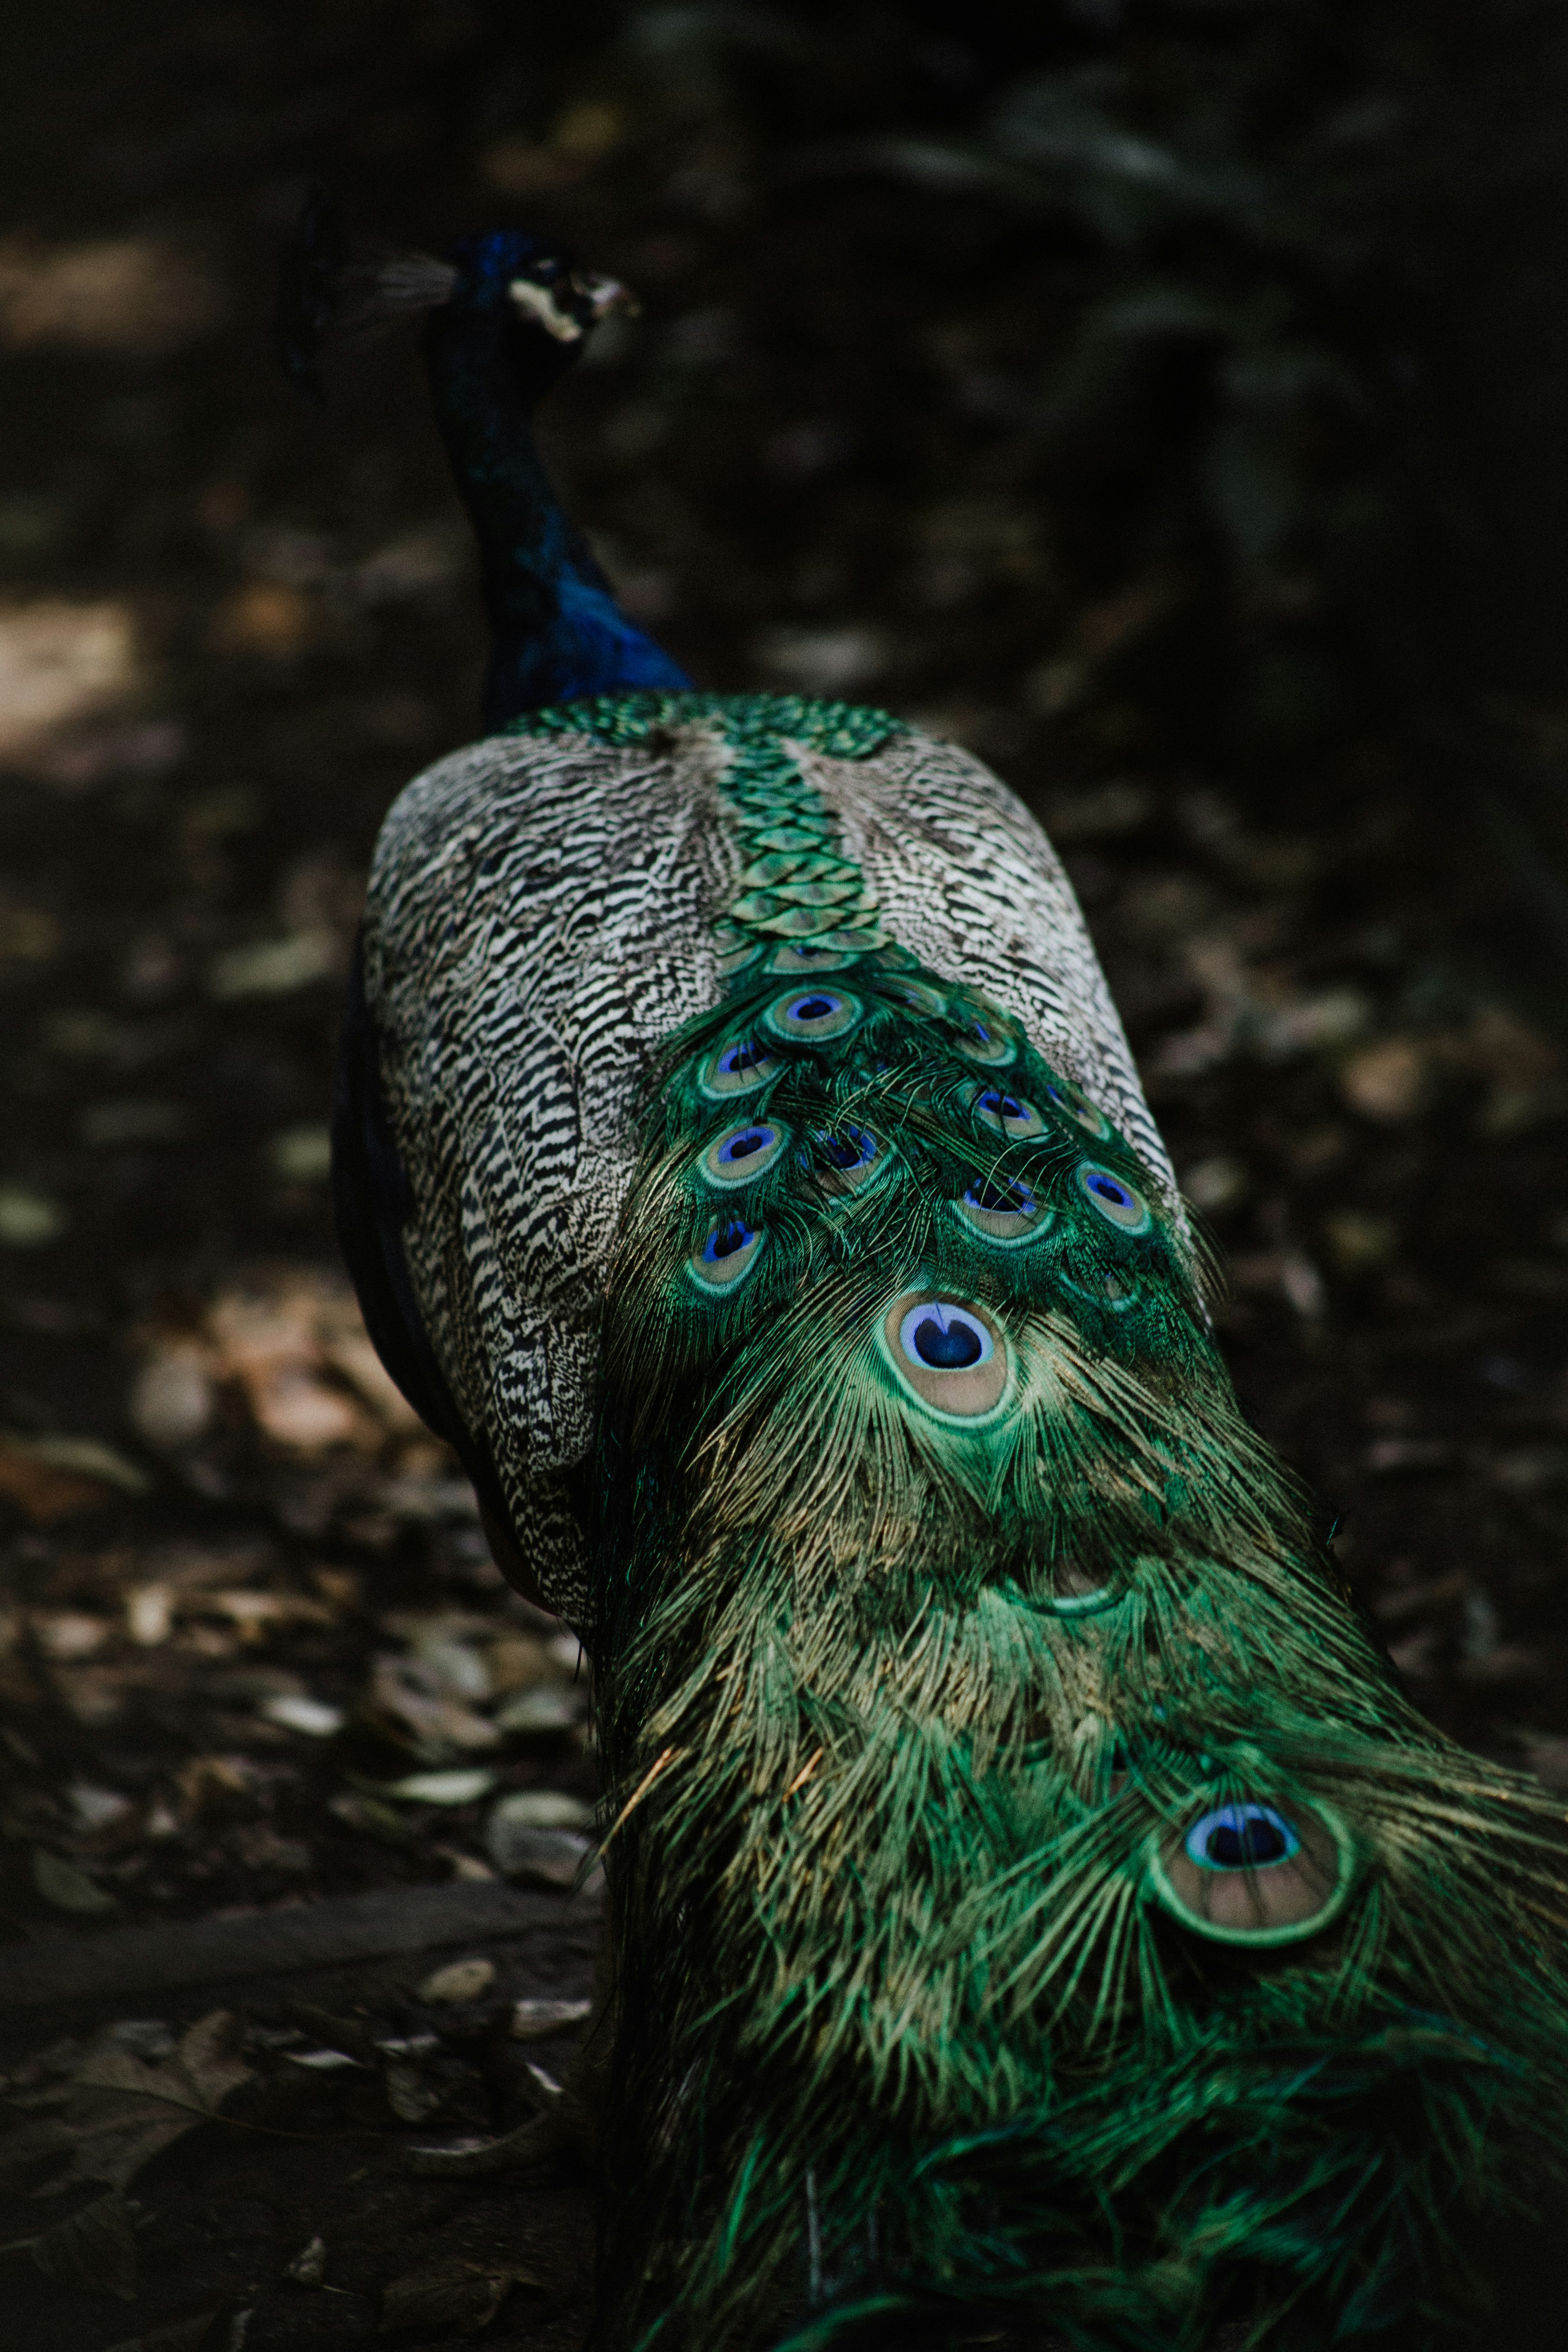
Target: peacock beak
<point>603,295</point>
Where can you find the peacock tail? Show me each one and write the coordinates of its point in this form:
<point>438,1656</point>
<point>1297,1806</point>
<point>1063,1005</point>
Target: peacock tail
<point>986,1868</point>
<point>1033,1905</point>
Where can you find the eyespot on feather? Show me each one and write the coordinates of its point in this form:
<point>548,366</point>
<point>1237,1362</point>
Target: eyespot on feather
<point>984,1038</point>
<point>741,1153</point>
<point>804,957</point>
<point>846,1158</point>
<point>916,996</point>
<point>1254,1872</point>
<point>812,1017</point>
<point>736,1068</point>
<point>949,1354</point>
<point>1103,1289</point>
<point>1074,1104</point>
<point>1115,1201</point>
<point>1007,1114</point>
<point>727,1257</point>
<point>1073,1595</point>
<point>1004,1209</point>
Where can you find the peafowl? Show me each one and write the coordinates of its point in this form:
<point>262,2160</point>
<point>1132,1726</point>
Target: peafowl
<point>1036,1909</point>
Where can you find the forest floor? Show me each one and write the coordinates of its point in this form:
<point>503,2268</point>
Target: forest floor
<point>255,1665</point>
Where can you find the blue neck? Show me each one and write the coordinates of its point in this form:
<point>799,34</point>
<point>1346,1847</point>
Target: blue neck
<point>556,632</point>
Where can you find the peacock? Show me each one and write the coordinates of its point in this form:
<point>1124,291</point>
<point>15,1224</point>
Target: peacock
<point>1036,1912</point>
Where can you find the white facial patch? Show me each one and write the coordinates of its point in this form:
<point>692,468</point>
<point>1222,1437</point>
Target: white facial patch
<point>537,303</point>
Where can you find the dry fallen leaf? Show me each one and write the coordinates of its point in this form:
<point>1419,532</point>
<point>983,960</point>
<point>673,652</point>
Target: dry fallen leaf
<point>45,1490</point>
<point>546,1857</point>
<point>116,2112</point>
<point>535,2019</point>
<point>456,2293</point>
<point>352,1354</point>
<point>277,967</point>
<point>29,1219</point>
<point>439,1722</point>
<point>1390,1081</point>
<point>458,1787</point>
<point>61,663</point>
<point>294,1341</point>
<point>137,294</point>
<point>93,2249</point>
<point>410,2096</point>
<point>309,2266</point>
<point>172,1398</point>
<point>459,1980</point>
<point>65,1887</point>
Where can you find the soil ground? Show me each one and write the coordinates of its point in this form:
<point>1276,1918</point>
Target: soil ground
<point>255,1656</point>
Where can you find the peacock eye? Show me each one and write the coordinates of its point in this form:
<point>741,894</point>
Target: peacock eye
<point>736,1069</point>
<point>1252,1872</point>
<point>730,1249</point>
<point>1004,1209</point>
<point>1117,1202</point>
<point>806,956</point>
<point>1074,1105</point>
<point>847,1157</point>
<point>741,1153</point>
<point>1241,1837</point>
<point>949,1354</point>
<point>917,996</point>
<point>1008,1114</point>
<point>984,1038</point>
<point>809,1017</point>
<point>944,1338</point>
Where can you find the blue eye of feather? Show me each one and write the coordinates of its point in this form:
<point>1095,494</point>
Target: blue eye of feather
<point>945,1337</point>
<point>737,1068</point>
<point>1008,1114</point>
<point>730,1249</point>
<point>1007,1199</point>
<point>742,1152</point>
<point>843,1158</point>
<point>1005,1209</point>
<point>948,1346</point>
<point>817,1013</point>
<point>985,1040</point>
<point>1116,1201</point>
<point>851,1146</point>
<point>1241,1837</point>
<point>725,1240</point>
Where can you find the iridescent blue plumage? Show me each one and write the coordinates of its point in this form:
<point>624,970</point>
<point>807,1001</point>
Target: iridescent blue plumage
<point>556,631</point>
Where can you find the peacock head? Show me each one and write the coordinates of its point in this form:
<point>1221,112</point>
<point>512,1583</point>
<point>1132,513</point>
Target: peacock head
<point>532,285</point>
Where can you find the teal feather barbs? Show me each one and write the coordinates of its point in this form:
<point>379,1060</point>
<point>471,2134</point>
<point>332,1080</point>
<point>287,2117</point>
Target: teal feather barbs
<point>1031,1895</point>
<point>1036,1852</point>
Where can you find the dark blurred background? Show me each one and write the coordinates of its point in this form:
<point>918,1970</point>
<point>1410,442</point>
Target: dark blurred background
<point>1166,400</point>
